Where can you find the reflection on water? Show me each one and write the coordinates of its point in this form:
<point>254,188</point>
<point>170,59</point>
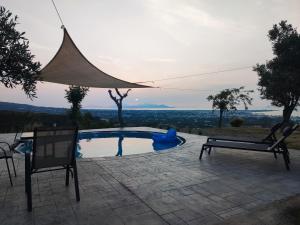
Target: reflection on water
<point>120,148</point>
<point>114,146</point>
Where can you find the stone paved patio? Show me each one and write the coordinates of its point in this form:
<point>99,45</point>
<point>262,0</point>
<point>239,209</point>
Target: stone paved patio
<point>173,187</point>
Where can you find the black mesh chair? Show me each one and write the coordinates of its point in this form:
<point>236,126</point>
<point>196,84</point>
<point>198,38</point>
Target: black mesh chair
<point>53,149</point>
<point>7,150</point>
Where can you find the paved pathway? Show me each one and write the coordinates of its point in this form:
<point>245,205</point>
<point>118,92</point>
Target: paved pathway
<point>173,187</point>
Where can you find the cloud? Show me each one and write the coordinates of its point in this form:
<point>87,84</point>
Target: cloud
<point>38,46</point>
<point>163,60</point>
<point>173,12</point>
<point>184,21</point>
<point>108,59</point>
<point>198,17</point>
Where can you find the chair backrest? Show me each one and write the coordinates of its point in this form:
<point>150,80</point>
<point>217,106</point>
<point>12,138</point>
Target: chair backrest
<point>18,136</point>
<point>287,131</point>
<point>54,147</point>
<point>271,136</point>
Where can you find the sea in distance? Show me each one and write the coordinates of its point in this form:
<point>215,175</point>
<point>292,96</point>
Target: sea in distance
<point>192,118</point>
<point>263,112</point>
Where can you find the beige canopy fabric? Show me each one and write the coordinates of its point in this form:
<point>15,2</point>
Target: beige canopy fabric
<point>69,66</point>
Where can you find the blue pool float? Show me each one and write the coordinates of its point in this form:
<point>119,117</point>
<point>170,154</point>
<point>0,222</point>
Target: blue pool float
<point>169,137</point>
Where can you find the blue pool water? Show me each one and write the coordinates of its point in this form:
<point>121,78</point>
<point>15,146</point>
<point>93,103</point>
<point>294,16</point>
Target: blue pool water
<point>117,143</point>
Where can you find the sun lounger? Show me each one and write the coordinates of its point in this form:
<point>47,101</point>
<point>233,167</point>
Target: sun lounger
<point>270,138</point>
<point>278,147</point>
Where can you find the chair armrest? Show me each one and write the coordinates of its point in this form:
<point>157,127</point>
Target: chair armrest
<point>3,150</point>
<point>276,143</point>
<point>3,142</point>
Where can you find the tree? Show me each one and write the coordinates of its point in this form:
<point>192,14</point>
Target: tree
<point>16,61</point>
<point>279,78</point>
<point>119,102</point>
<point>228,99</point>
<point>75,95</point>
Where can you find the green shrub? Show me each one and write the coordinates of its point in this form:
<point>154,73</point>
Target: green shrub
<point>237,122</point>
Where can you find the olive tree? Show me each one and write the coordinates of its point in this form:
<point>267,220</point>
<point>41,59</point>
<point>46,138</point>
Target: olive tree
<point>75,95</point>
<point>229,99</point>
<point>16,61</point>
<point>279,78</point>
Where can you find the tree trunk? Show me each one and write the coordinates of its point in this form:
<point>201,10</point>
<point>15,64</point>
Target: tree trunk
<point>286,115</point>
<point>221,118</point>
<point>118,102</point>
<point>120,115</point>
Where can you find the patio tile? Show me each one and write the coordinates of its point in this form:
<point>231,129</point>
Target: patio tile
<point>171,218</point>
<point>171,187</point>
<point>148,218</point>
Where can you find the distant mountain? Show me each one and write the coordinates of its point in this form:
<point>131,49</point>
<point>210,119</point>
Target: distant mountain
<point>30,108</point>
<point>53,110</point>
<point>148,106</point>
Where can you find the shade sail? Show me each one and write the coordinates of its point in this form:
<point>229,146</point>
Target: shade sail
<point>69,66</point>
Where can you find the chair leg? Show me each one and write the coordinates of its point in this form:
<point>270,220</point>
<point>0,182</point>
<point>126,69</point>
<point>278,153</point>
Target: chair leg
<point>286,160</point>
<point>29,195</point>
<point>8,170</point>
<point>275,155</point>
<point>67,175</point>
<point>12,160</point>
<point>201,153</point>
<point>288,156</point>
<point>209,151</point>
<point>76,182</point>
<point>71,172</point>
<point>28,190</point>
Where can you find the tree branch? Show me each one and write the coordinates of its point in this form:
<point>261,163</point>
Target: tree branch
<point>113,97</point>
<point>119,93</point>
<point>122,95</point>
<point>126,94</point>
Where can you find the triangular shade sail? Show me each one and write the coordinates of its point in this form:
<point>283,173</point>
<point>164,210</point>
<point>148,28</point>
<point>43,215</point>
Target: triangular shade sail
<point>69,66</point>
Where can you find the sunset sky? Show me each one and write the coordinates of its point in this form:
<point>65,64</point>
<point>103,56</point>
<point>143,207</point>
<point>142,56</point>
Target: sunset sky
<point>142,40</point>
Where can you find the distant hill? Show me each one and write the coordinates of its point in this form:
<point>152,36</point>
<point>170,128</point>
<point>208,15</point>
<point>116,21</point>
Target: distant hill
<point>30,108</point>
<point>53,110</point>
<point>148,106</point>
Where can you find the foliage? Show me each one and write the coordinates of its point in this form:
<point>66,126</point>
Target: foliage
<point>16,61</point>
<point>88,121</point>
<point>279,78</point>
<point>12,121</point>
<point>237,122</point>
<point>75,95</point>
<point>229,99</point>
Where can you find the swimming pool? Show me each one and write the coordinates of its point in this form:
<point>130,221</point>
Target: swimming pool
<point>115,143</point>
<point>119,143</point>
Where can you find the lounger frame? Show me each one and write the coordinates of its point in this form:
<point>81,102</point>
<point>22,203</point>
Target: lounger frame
<point>279,146</point>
